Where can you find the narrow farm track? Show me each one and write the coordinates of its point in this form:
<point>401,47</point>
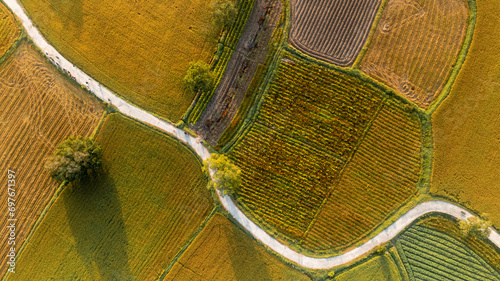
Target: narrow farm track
<point>305,261</point>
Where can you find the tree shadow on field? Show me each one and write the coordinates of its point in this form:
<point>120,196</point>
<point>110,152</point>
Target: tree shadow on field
<point>95,218</point>
<point>247,262</point>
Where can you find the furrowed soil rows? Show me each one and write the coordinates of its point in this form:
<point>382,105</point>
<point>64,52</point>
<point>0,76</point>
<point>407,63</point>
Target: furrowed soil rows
<point>381,176</point>
<point>305,133</point>
<point>127,222</point>
<point>415,46</point>
<point>223,252</point>
<point>39,109</point>
<point>9,30</point>
<point>334,31</point>
<point>431,255</point>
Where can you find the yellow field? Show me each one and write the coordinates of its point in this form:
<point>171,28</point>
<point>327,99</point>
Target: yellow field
<point>129,221</point>
<point>415,46</point>
<point>224,252</point>
<point>139,49</point>
<point>378,268</point>
<point>9,30</point>
<point>466,125</point>
<point>39,108</point>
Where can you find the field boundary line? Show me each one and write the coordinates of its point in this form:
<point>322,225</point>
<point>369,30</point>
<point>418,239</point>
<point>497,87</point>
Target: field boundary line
<point>462,55</point>
<point>384,236</point>
<point>341,173</point>
<point>186,246</point>
<point>45,210</point>
<point>373,29</point>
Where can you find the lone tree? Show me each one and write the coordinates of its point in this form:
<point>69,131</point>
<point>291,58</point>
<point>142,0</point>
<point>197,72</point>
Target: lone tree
<point>73,159</point>
<point>199,77</point>
<point>224,12</point>
<point>475,225</point>
<point>226,177</point>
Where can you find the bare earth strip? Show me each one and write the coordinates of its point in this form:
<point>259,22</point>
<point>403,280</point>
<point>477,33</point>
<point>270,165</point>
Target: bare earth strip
<point>259,234</point>
<point>38,109</point>
<point>334,31</point>
<point>415,46</point>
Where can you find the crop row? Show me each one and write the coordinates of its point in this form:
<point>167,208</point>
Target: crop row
<point>304,134</point>
<point>332,30</point>
<point>440,257</point>
<point>227,44</point>
<point>381,176</point>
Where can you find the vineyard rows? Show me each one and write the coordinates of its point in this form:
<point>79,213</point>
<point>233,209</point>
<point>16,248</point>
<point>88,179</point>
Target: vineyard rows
<point>380,177</point>
<point>332,30</point>
<point>305,134</point>
<point>431,255</point>
<point>39,109</point>
<point>415,46</point>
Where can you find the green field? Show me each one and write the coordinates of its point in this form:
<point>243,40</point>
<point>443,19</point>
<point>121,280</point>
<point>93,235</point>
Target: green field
<point>432,255</point>
<point>312,124</point>
<point>139,49</point>
<point>129,221</point>
<point>379,268</point>
<point>223,252</point>
<point>465,125</point>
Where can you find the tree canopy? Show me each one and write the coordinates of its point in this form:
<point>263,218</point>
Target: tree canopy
<point>475,225</point>
<point>226,177</point>
<point>73,159</point>
<point>199,77</point>
<point>224,12</point>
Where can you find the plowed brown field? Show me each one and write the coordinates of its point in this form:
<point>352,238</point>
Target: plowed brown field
<point>334,31</point>
<point>38,109</point>
<point>416,45</point>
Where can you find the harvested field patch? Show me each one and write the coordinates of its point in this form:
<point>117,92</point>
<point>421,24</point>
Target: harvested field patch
<point>222,251</point>
<point>381,176</point>
<point>334,31</point>
<point>130,220</point>
<point>432,255</point>
<point>306,132</point>
<point>376,268</point>
<point>39,108</point>
<point>486,250</point>
<point>465,125</point>
<point>9,29</point>
<point>415,46</point>
<point>139,49</point>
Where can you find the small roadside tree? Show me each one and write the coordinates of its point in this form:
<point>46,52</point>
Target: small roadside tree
<point>226,177</point>
<point>224,12</point>
<point>199,77</point>
<point>73,159</point>
<point>475,225</point>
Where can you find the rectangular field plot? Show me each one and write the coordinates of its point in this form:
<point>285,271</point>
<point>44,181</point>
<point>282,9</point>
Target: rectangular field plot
<point>139,49</point>
<point>224,252</point>
<point>129,221</point>
<point>334,31</point>
<point>381,268</point>
<point>381,176</point>
<point>415,46</point>
<point>303,136</point>
<point>431,255</point>
<point>39,108</point>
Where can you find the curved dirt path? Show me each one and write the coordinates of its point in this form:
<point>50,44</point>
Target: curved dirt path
<point>195,143</point>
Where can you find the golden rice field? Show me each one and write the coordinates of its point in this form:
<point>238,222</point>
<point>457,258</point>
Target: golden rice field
<point>129,221</point>
<point>381,176</point>
<point>465,125</point>
<point>9,29</point>
<point>39,108</point>
<point>415,46</point>
<point>139,49</point>
<point>223,252</point>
